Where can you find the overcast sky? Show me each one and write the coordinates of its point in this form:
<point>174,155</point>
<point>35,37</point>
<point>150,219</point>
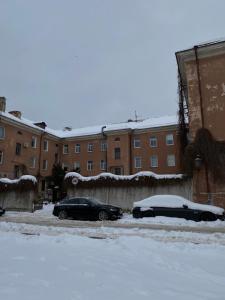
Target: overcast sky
<point>85,62</point>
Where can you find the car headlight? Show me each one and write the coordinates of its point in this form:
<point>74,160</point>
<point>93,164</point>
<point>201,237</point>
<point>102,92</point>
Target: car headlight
<point>113,209</point>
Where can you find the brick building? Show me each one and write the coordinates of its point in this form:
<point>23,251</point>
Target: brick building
<point>125,148</point>
<point>202,100</point>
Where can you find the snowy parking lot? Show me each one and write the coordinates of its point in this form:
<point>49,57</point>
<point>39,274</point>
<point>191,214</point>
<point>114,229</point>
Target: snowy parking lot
<point>101,262</point>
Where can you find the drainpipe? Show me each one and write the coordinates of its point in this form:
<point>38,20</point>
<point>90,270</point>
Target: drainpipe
<point>199,85</point>
<point>40,151</point>
<point>106,155</point>
<point>130,152</point>
<point>203,122</point>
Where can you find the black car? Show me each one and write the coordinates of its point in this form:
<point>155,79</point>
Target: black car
<point>176,207</point>
<point>86,209</point>
<point>2,211</point>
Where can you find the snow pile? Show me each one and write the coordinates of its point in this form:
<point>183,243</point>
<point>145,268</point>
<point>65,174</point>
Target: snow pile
<point>124,177</point>
<point>175,201</point>
<point>22,178</point>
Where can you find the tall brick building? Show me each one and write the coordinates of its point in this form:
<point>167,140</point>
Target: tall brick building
<point>124,148</point>
<point>202,101</point>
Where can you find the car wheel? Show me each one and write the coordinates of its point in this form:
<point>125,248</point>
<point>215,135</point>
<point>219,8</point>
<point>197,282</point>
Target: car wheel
<point>62,214</point>
<point>137,215</point>
<point>208,216</point>
<point>103,215</point>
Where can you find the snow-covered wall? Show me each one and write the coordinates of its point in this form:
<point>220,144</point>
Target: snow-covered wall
<point>19,194</point>
<point>124,190</point>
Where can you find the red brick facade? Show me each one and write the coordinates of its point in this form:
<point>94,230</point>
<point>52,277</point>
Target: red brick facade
<point>202,74</point>
<point>28,149</point>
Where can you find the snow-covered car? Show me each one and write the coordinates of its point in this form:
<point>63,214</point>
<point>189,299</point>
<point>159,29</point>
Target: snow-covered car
<point>2,211</point>
<point>176,207</point>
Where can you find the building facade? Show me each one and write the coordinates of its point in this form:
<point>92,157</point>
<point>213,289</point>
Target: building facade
<point>125,148</point>
<point>202,100</point>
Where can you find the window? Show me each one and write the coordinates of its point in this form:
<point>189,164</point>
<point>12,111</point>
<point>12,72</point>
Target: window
<point>77,166</point>
<point>1,157</point>
<point>171,161</point>
<point>65,167</point>
<point>65,149</point>
<point>169,139</point>
<point>154,161</point>
<point>45,164</point>
<point>117,139</point>
<point>153,142</point>
<point>33,162</point>
<point>18,148</point>
<point>45,145</point>
<point>90,147</point>
<point>77,148</point>
<point>118,171</point>
<point>34,142</point>
<point>103,146</point>
<point>103,165</point>
<point>137,143</point>
<point>90,165</point>
<point>137,162</point>
<point>2,132</point>
<point>117,153</point>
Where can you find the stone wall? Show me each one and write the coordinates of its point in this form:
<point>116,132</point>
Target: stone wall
<point>19,194</point>
<point>125,194</point>
<point>13,200</point>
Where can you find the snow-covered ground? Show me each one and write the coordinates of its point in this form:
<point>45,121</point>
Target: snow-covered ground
<point>45,215</point>
<point>48,262</point>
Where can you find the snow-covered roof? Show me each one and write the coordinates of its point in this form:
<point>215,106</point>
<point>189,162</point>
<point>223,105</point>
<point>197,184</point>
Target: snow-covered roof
<point>175,201</point>
<point>97,129</point>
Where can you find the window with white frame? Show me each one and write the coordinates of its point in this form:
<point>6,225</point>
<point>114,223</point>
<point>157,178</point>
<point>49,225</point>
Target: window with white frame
<point>153,141</point>
<point>103,146</point>
<point>77,148</point>
<point>171,160</point>
<point>154,161</point>
<point>137,162</point>
<point>137,143</point>
<point>1,157</point>
<point>45,164</point>
<point>2,132</point>
<point>90,147</point>
<point>103,165</point>
<point>34,142</point>
<point>65,149</point>
<point>169,139</point>
<point>90,165</point>
<point>76,166</point>
<point>33,162</point>
<point>45,145</point>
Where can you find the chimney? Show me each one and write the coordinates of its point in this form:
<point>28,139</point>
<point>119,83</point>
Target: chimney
<point>42,125</point>
<point>67,128</point>
<point>16,113</point>
<point>2,104</point>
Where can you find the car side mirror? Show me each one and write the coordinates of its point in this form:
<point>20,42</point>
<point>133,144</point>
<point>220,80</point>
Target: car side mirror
<point>185,206</point>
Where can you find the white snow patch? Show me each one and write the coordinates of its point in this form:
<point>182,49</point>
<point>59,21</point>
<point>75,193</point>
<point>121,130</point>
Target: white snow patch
<point>24,177</point>
<point>124,177</point>
<point>175,201</point>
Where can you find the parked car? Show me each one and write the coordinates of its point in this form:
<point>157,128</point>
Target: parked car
<point>176,207</point>
<point>2,211</point>
<point>86,209</point>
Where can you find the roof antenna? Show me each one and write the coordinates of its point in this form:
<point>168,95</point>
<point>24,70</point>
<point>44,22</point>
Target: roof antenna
<point>136,117</point>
